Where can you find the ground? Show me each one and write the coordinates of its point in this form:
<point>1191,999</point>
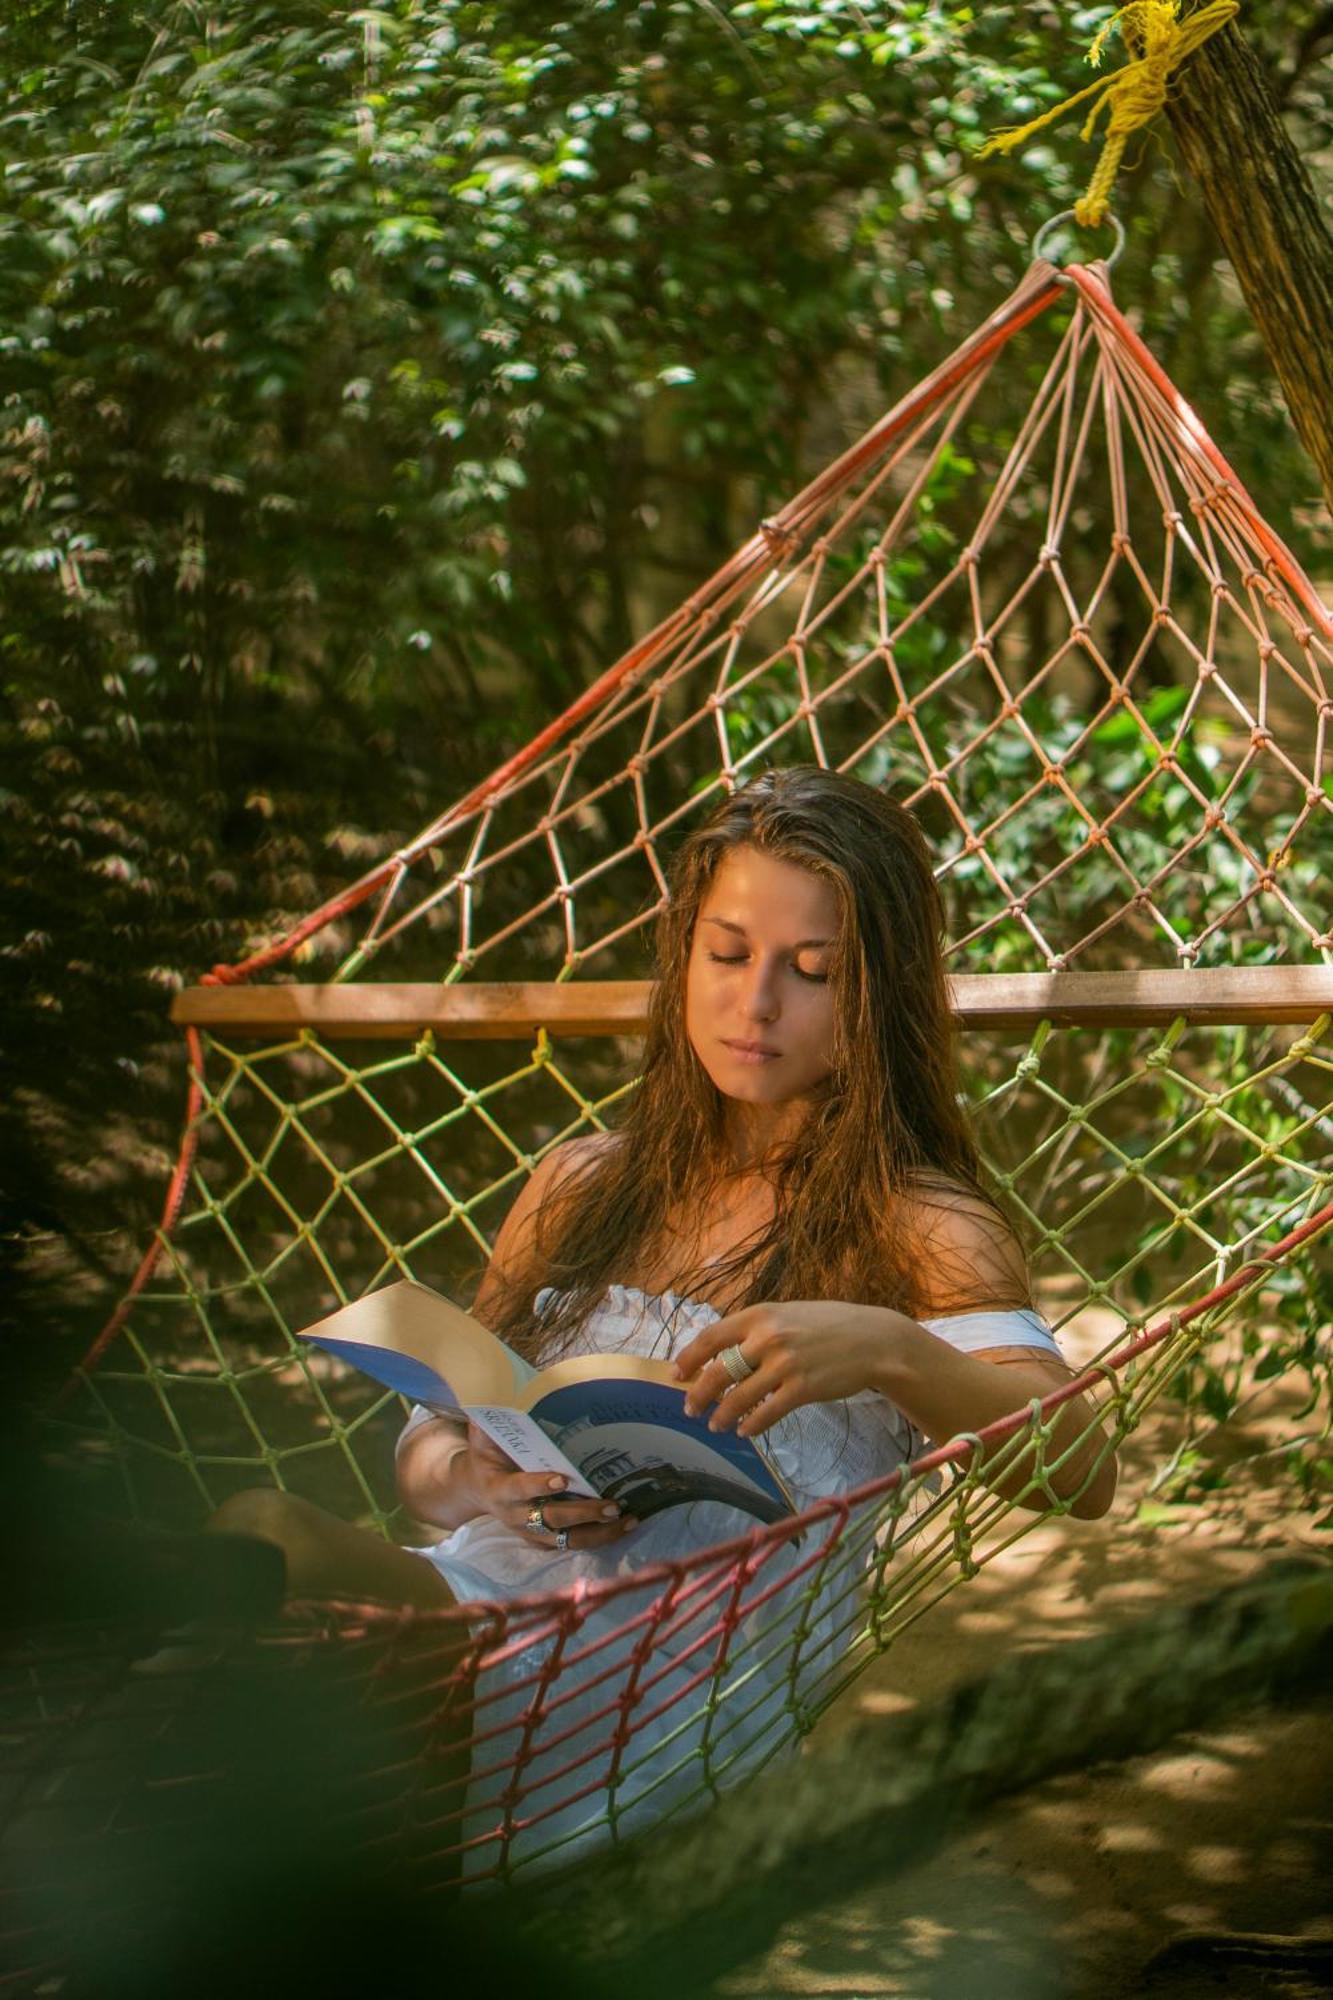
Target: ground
<point>1067,1891</point>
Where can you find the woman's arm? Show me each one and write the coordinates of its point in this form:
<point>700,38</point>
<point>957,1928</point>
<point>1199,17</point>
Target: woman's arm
<point>430,1473</point>
<point>448,1480</point>
<point>824,1351</point>
<point>944,1392</point>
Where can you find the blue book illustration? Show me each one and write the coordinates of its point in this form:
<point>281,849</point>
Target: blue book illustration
<point>614,1424</point>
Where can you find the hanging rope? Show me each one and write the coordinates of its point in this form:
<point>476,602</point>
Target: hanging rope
<point>1158,41</point>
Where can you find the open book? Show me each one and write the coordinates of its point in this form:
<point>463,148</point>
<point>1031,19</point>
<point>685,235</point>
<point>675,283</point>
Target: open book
<point>613,1424</point>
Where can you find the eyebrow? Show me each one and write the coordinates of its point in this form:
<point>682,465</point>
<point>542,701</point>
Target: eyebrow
<point>739,930</point>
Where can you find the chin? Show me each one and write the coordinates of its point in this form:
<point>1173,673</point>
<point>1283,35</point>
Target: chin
<point>758,1092</point>
<point>759,1088</point>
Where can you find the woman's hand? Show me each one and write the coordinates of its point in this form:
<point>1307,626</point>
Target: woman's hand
<point>824,1351</point>
<point>498,1488</point>
<point>812,1351</point>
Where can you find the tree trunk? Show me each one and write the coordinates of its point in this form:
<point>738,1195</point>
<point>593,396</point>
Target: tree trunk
<point>1263,205</point>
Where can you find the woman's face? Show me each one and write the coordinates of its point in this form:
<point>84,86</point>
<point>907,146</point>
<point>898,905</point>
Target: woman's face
<point>759,1010</point>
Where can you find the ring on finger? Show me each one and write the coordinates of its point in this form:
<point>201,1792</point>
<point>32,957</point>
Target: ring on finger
<point>536,1522</point>
<point>562,1539</point>
<point>736,1365</point>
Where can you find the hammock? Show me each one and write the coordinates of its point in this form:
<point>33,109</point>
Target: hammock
<point>1074,647</point>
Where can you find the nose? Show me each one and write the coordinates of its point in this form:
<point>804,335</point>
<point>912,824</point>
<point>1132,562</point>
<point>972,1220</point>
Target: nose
<point>761,994</point>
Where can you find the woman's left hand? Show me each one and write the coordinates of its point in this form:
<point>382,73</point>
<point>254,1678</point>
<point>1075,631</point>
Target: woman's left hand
<point>811,1351</point>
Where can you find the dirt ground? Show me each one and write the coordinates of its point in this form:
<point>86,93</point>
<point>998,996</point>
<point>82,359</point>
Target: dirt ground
<point>1067,1892</point>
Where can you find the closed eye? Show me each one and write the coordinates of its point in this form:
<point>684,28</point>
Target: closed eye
<point>811,978</point>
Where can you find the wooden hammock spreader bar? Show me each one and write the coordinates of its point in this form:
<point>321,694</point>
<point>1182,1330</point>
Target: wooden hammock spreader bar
<point>1000,1003</point>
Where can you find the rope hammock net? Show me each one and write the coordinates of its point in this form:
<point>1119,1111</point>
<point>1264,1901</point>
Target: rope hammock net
<point>1074,647</point>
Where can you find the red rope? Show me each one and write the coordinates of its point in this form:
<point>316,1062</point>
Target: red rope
<point>697,1603</point>
<point>171,1209</point>
<point>711,1588</point>
<point>1039,289</point>
<point>1104,308</point>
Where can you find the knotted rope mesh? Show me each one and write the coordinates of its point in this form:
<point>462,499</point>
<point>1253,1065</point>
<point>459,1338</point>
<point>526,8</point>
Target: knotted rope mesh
<point>1071,643</point>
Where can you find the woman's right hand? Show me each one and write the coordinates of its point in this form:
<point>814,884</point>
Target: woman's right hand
<point>499,1489</point>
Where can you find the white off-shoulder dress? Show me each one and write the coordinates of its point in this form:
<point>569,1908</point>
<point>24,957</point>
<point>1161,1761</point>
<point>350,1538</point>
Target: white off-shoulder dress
<point>683,1746</point>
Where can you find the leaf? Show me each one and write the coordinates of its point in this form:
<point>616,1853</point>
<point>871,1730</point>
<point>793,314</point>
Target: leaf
<point>1161,1514</point>
<point>103,205</point>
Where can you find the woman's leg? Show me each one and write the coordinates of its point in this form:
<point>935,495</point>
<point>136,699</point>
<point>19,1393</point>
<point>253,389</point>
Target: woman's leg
<point>415,1785</point>
<point>327,1558</point>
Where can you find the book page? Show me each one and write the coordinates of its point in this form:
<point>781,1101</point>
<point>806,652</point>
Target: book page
<point>633,1442</point>
<point>401,1372</point>
<point>576,1368</point>
<point>523,1371</point>
<point>528,1445</point>
<point>421,1344</point>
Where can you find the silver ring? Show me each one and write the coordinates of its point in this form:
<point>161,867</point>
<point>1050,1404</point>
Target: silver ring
<point>736,1364</point>
<point>562,1539</point>
<point>536,1523</point>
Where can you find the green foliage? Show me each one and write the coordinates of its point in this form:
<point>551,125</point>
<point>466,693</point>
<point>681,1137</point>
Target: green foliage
<point>369,376</point>
<point>351,351</point>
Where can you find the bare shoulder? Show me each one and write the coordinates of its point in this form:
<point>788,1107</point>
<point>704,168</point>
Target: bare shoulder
<point>570,1161</point>
<point>965,1253</point>
<point>554,1175</point>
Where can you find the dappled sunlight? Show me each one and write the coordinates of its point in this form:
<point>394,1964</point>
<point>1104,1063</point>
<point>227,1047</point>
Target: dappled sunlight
<point>1077,1579</point>
<point>1068,1891</point>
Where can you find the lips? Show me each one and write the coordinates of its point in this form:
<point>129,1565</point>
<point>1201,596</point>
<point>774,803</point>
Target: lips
<point>752,1051</point>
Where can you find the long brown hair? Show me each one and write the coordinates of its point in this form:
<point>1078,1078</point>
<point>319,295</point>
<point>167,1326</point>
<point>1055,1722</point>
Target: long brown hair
<point>886,1123</point>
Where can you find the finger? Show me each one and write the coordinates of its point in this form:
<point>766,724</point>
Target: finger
<point>706,1389</point>
<point>580,1513</point>
<point>526,1488</point>
<point>710,1386</point>
<point>519,1506</point>
<point>517,1499</point>
<point>746,1396</point>
<point>602,1535</point>
<point>779,1405</point>
<point>728,1332</point>
<point>589,1535</point>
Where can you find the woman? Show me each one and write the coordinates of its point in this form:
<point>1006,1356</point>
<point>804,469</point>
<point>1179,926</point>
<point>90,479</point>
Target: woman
<point>793,1212</point>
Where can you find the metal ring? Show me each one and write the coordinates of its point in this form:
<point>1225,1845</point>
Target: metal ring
<point>562,1539</point>
<point>736,1365</point>
<point>1049,227</point>
<point>536,1523</point>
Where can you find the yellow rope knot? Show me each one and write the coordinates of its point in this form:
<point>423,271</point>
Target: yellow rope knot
<point>1158,42</point>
